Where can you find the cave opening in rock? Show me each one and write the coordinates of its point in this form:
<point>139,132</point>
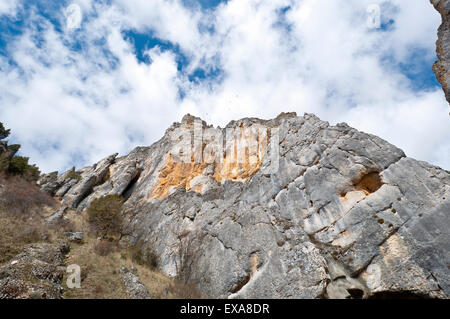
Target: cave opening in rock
<point>129,189</point>
<point>356,293</point>
<point>369,183</point>
<point>241,284</point>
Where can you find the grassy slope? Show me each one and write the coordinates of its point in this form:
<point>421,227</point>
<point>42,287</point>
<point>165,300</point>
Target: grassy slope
<point>22,222</point>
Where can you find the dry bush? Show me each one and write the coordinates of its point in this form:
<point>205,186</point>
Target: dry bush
<point>85,270</point>
<point>100,277</point>
<point>19,196</point>
<point>21,216</point>
<point>63,225</point>
<point>17,232</point>
<point>104,215</point>
<point>32,234</point>
<point>98,290</point>
<point>104,248</point>
<point>97,278</point>
<point>180,290</point>
<point>144,256</point>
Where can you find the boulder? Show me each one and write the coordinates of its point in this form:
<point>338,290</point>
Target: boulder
<point>74,237</point>
<point>135,288</point>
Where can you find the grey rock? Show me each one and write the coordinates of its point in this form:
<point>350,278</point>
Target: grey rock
<point>442,66</point>
<point>75,237</point>
<point>135,288</point>
<point>58,185</point>
<point>48,182</point>
<point>57,216</point>
<point>90,177</point>
<point>345,214</point>
<point>37,272</point>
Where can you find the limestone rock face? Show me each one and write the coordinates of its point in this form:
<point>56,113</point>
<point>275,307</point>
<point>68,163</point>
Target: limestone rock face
<point>442,67</point>
<point>285,208</point>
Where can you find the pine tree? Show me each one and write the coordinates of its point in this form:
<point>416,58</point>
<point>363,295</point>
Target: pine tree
<point>4,133</point>
<point>12,164</point>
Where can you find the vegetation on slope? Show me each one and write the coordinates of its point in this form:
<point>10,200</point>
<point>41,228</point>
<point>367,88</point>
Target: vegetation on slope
<point>10,163</point>
<point>24,210</point>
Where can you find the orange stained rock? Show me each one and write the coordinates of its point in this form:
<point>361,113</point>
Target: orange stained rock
<point>233,166</point>
<point>370,183</point>
<point>178,174</point>
<point>254,262</point>
<point>111,170</point>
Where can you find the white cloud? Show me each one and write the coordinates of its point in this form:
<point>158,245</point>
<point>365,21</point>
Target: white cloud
<point>9,7</point>
<point>69,106</point>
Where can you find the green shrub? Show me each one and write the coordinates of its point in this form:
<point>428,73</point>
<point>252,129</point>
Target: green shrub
<point>104,215</point>
<point>4,162</point>
<point>6,154</point>
<point>15,165</point>
<point>74,175</point>
<point>4,133</point>
<point>32,174</point>
<point>19,166</point>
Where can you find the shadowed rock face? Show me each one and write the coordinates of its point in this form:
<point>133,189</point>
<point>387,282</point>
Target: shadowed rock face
<point>442,67</point>
<point>336,213</point>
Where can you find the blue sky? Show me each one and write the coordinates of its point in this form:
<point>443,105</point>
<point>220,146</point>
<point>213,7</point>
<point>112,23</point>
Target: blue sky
<point>132,67</point>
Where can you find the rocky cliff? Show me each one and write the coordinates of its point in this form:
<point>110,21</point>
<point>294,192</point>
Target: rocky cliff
<point>286,208</point>
<point>442,67</point>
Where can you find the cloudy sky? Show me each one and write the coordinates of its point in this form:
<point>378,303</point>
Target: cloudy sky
<point>83,79</point>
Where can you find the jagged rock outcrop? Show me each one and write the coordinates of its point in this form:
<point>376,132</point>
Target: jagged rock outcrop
<point>135,288</point>
<point>285,208</point>
<point>35,273</point>
<point>57,216</point>
<point>442,67</point>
